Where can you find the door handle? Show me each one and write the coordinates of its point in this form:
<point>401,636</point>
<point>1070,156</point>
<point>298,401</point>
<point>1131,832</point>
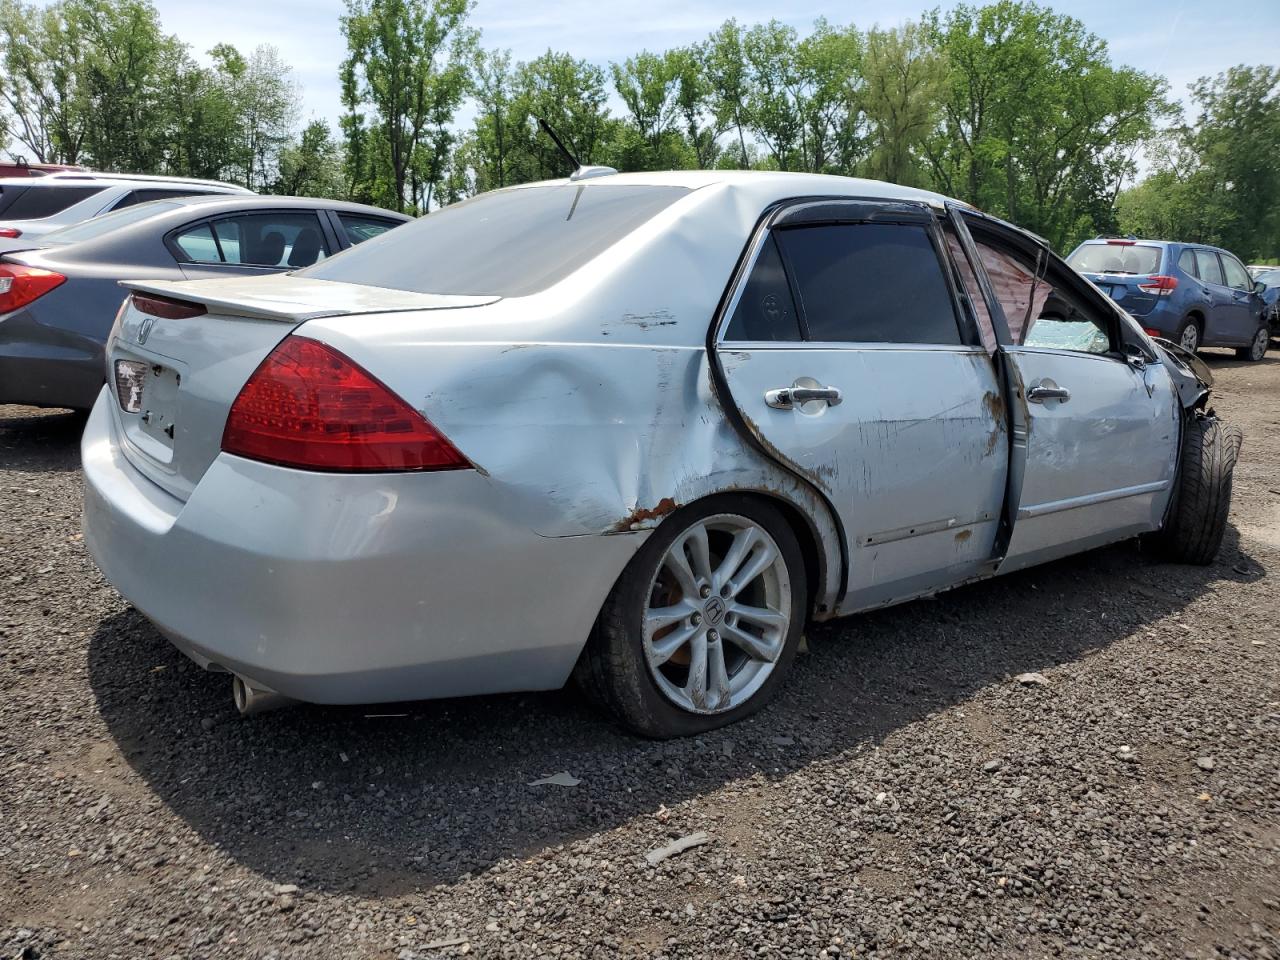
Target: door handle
<point>1048,390</point>
<point>787,397</point>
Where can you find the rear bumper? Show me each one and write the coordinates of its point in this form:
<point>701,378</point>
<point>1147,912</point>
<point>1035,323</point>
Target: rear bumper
<point>346,588</point>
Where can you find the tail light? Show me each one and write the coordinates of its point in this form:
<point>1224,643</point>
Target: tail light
<point>1152,332</point>
<point>309,406</point>
<point>10,233</point>
<point>166,308</point>
<point>1158,286</point>
<point>20,284</point>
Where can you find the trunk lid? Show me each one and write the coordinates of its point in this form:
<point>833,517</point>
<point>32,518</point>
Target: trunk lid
<point>1124,289</point>
<point>173,380</point>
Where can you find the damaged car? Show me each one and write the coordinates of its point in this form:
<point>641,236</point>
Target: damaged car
<point>633,429</point>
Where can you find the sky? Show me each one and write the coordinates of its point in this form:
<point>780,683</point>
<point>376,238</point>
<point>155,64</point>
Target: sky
<point>1181,39</point>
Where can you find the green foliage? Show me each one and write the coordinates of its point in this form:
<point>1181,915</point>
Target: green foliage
<point>1010,106</point>
<point>408,65</point>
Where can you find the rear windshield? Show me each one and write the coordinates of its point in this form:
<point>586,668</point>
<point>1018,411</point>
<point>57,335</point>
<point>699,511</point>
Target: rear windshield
<point>38,201</point>
<point>510,243</point>
<point>96,227</point>
<point>1116,258</point>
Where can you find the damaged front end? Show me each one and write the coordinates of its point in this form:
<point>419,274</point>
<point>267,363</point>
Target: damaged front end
<point>1191,376</point>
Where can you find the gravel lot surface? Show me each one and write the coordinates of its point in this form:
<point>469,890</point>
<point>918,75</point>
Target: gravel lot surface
<point>909,795</point>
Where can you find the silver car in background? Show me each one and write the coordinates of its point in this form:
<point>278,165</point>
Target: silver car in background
<point>633,428</point>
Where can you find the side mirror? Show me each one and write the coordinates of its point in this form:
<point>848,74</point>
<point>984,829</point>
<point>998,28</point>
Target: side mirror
<point>1259,287</point>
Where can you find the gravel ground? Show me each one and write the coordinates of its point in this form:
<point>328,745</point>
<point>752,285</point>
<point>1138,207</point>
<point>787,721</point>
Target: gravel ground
<point>908,794</point>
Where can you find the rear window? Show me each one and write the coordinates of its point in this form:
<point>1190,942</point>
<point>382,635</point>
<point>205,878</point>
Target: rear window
<point>44,200</point>
<point>1133,258</point>
<point>92,229</point>
<point>508,244</point>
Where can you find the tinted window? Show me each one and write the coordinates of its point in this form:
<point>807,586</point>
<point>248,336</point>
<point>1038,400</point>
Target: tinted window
<point>134,197</point>
<point>1187,262</point>
<point>509,243</point>
<point>39,201</point>
<point>1237,275</point>
<point>359,229</point>
<point>766,310</point>
<point>259,239</point>
<point>106,223</point>
<point>870,283</point>
<point>1110,256</point>
<point>1208,268</point>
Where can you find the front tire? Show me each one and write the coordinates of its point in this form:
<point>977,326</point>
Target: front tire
<point>1257,349</point>
<point>704,622</point>
<point>1198,519</point>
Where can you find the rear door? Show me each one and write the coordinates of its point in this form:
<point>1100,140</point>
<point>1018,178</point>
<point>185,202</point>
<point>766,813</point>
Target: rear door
<point>848,358</point>
<point>1095,432</point>
<point>1243,312</point>
<point>1218,315</point>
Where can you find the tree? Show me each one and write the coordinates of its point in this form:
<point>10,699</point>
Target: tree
<point>407,65</point>
<point>311,165</point>
<point>264,101</point>
<point>903,77</point>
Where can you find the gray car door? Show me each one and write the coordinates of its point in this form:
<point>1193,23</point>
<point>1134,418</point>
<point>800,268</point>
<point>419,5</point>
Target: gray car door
<point>1217,321</point>
<point>1095,430</point>
<point>848,360</point>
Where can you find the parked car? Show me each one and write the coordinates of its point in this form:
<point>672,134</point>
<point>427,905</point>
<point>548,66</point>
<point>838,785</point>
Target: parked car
<point>57,298</point>
<point>634,428</point>
<point>1270,293</point>
<point>19,167</point>
<point>1257,269</point>
<point>1196,295</point>
<point>31,207</point>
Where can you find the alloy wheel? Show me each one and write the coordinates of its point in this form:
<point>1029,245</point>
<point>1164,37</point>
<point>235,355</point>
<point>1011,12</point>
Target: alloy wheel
<point>1190,339</point>
<point>1258,348</point>
<point>717,615</point>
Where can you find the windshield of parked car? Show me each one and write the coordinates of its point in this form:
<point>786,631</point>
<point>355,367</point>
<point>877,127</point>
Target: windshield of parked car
<point>509,243</point>
<point>1111,257</point>
<point>92,229</point>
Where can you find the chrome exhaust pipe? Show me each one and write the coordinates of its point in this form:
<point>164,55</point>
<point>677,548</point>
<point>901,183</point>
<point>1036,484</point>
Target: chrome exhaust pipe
<point>253,698</point>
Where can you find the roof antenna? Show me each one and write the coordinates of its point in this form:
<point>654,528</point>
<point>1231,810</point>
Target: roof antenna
<point>580,171</point>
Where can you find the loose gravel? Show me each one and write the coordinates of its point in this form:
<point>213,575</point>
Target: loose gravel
<point>1079,760</point>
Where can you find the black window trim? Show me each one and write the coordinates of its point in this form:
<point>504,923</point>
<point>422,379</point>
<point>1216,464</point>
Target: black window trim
<point>791,214</point>
<point>180,255</point>
<point>334,220</point>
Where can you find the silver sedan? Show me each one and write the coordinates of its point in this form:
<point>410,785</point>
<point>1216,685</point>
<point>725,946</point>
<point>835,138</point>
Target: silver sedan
<point>634,429</point>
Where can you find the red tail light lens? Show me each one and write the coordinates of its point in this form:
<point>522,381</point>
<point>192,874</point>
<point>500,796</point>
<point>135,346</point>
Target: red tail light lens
<point>1158,286</point>
<point>309,406</point>
<point>10,233</point>
<point>19,285</point>
<point>167,308</point>
<point>1152,332</point>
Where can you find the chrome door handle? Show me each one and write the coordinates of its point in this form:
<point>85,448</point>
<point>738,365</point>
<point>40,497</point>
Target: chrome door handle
<point>788,397</point>
<point>1048,390</point>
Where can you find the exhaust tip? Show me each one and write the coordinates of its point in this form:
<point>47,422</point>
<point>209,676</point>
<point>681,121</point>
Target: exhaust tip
<point>250,699</point>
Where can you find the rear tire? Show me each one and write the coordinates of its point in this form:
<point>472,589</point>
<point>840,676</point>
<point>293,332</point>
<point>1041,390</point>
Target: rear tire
<point>645,677</point>
<point>1198,518</point>
<point>1189,335</point>
<point>1258,348</point>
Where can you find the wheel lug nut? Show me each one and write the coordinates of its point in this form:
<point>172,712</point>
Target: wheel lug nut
<point>704,591</point>
<point>696,619</point>
<point>724,591</point>
<point>713,635</point>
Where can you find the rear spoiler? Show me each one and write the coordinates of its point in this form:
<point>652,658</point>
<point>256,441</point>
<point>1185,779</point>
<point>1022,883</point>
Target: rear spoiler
<point>295,300</point>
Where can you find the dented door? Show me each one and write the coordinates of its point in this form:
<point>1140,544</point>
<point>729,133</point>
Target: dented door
<point>907,441</point>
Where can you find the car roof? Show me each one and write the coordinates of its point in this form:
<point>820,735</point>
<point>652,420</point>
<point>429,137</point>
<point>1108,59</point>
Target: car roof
<point>217,202</point>
<point>73,180</point>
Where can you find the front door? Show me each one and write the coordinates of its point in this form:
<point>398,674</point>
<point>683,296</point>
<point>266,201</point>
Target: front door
<point>846,355</point>
<point>1095,427</point>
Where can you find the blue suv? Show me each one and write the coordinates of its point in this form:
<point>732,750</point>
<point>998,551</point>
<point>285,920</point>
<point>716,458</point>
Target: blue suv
<point>1192,294</point>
